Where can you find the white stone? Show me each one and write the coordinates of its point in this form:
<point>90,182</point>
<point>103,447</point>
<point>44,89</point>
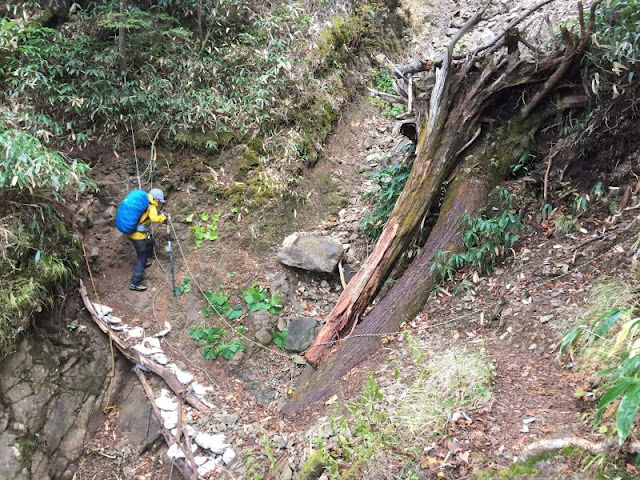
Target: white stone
<point>200,460</point>
<point>148,346</point>
<point>175,451</point>
<point>135,332</point>
<point>209,466</point>
<point>165,402</point>
<point>169,419</point>
<point>164,331</point>
<point>102,310</point>
<point>216,443</point>
<point>200,390</point>
<point>160,358</point>
<point>112,319</point>
<point>183,377</point>
<point>228,456</point>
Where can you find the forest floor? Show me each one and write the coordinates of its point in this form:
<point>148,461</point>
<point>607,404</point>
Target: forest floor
<point>546,280</point>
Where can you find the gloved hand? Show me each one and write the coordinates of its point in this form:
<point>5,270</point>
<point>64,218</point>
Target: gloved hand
<point>168,217</point>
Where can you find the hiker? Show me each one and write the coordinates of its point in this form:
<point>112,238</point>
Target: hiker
<point>140,236</point>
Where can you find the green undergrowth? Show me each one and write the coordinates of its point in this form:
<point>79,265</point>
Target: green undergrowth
<point>38,252</point>
<point>226,338</point>
<point>251,71</point>
<point>606,343</point>
<point>382,433</point>
<point>485,240</point>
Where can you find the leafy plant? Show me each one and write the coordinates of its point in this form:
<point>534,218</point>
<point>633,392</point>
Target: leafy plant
<point>258,298</point>
<point>616,52</point>
<point>28,165</point>
<point>37,250</point>
<point>218,302</point>
<point>207,228</point>
<point>184,287</point>
<point>390,182</point>
<point>280,338</point>
<point>617,330</point>
<point>212,339</point>
<point>485,239</point>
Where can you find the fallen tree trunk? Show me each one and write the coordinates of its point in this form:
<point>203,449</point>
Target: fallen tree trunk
<point>467,194</point>
<point>444,129</point>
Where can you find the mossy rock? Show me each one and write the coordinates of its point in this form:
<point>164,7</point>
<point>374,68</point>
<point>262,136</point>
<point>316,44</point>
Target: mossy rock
<point>313,467</point>
<point>203,142</point>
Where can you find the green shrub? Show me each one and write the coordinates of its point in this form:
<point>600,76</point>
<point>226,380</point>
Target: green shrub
<point>390,182</point>
<point>37,250</point>
<point>615,53</point>
<point>609,339</point>
<point>485,239</point>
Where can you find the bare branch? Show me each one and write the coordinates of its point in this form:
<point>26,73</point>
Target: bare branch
<point>387,97</point>
<point>492,43</point>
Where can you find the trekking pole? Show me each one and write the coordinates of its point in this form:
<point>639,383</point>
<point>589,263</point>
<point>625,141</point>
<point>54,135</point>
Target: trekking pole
<point>170,252</point>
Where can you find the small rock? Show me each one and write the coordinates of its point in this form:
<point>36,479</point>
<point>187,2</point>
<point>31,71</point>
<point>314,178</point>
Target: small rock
<point>282,324</point>
<point>216,443</point>
<point>324,284</point>
<point>263,336</point>
<point>369,142</point>
<point>301,334</point>
<point>228,456</point>
<point>286,473</point>
<point>110,213</point>
<point>262,319</point>
<point>229,419</point>
<point>545,318</point>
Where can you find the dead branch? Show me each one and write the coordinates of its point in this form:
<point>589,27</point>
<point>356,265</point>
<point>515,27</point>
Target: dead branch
<point>187,466</point>
<point>137,359</point>
<point>575,48</point>
<point>417,66</point>
<point>387,97</point>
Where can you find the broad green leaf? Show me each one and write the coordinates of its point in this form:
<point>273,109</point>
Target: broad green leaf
<point>235,313</point>
<point>280,338</point>
<point>607,320</point>
<point>627,369</point>
<point>570,338</point>
<point>627,411</point>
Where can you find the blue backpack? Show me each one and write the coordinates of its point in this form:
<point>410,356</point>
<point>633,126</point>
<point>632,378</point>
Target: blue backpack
<point>130,211</point>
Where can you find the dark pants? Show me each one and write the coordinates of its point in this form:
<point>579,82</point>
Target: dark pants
<point>144,248</point>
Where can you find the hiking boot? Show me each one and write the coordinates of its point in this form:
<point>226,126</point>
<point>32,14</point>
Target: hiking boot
<point>139,288</point>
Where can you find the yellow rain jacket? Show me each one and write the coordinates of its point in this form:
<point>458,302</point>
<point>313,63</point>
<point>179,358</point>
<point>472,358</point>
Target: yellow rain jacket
<point>150,215</point>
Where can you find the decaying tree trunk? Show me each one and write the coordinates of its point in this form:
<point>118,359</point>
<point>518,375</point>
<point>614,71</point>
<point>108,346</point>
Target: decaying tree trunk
<point>446,128</point>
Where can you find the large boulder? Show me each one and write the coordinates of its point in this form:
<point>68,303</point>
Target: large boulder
<point>302,331</point>
<point>310,251</point>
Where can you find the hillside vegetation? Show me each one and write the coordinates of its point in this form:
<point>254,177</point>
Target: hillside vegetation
<point>201,75</point>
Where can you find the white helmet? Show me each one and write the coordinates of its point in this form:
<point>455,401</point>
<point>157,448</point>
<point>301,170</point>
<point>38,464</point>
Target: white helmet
<point>157,195</point>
